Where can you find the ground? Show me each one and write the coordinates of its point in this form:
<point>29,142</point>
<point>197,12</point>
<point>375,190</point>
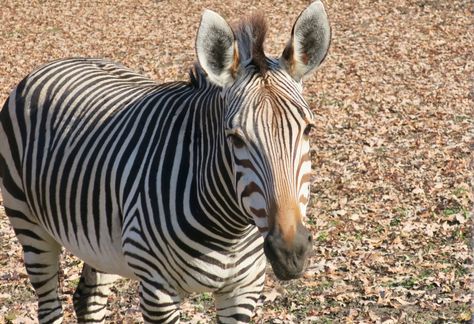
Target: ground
<point>391,192</point>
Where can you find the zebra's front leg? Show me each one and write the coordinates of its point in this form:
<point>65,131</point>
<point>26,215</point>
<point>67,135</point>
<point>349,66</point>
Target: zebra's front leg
<point>159,303</point>
<point>90,298</point>
<point>238,306</point>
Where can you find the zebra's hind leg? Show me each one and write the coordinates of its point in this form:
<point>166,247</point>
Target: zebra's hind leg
<point>90,297</point>
<point>41,256</point>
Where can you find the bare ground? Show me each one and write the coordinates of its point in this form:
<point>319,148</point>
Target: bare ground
<point>392,191</point>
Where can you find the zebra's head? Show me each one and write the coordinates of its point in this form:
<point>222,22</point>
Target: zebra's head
<point>267,123</point>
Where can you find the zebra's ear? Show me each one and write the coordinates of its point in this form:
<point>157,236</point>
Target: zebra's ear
<point>309,42</point>
<point>217,49</point>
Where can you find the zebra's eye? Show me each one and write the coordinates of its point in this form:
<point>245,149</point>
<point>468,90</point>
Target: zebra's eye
<point>307,130</point>
<point>236,140</point>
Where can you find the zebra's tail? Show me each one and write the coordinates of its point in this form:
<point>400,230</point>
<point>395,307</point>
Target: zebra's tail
<point>12,120</point>
<point>2,136</point>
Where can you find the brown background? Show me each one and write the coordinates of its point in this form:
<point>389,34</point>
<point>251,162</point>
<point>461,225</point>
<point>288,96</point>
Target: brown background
<point>391,187</point>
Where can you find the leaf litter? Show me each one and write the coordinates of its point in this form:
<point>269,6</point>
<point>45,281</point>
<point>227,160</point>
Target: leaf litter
<point>392,154</point>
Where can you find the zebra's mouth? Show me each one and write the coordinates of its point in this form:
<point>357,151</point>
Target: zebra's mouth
<point>287,262</point>
<point>282,274</point>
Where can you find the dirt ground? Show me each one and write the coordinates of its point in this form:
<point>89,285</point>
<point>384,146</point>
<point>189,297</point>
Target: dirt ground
<point>392,184</point>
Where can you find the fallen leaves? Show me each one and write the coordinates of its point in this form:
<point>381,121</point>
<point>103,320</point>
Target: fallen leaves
<point>392,185</point>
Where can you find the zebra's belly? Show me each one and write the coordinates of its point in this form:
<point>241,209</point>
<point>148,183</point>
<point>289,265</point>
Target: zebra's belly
<point>104,254</point>
<point>108,259</point>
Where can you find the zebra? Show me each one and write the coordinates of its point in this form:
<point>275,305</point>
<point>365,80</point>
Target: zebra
<point>184,186</point>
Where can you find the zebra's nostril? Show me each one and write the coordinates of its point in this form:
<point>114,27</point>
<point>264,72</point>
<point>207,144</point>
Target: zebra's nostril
<point>295,262</point>
<point>310,238</point>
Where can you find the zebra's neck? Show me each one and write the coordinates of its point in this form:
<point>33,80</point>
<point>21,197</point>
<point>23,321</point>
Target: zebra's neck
<point>214,175</point>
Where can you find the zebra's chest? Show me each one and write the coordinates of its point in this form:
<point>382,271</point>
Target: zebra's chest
<point>188,264</point>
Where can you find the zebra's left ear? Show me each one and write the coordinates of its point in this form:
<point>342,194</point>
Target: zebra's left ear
<point>217,49</point>
<point>309,42</point>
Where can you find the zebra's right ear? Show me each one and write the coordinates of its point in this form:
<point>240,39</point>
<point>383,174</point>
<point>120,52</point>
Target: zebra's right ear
<point>217,49</point>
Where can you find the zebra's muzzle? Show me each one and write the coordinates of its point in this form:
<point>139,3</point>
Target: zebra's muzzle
<point>288,259</point>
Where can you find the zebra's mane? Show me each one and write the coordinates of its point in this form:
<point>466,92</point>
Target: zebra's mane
<point>250,33</point>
